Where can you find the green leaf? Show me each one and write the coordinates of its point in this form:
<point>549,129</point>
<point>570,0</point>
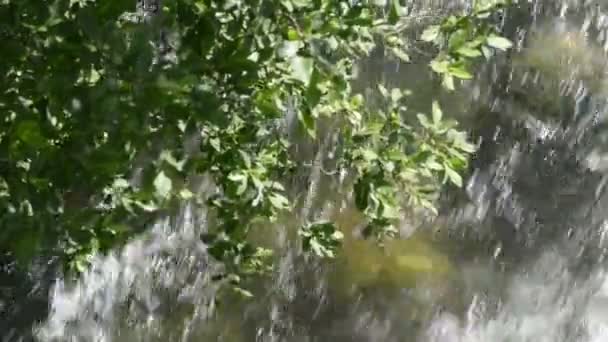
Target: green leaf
<point>437,113</point>
<point>460,72</point>
<point>424,121</point>
<point>278,201</point>
<point>316,247</point>
<point>468,52</point>
<point>396,95</point>
<point>288,5</point>
<point>289,49</point>
<point>337,235</point>
<point>467,147</point>
<point>242,181</point>
<point>390,212</point>
<point>302,68</point>
<point>163,185</point>
<point>457,39</point>
<point>186,194</point>
<point>433,165</point>
<point>448,82</point>
<point>215,143</point>
<point>431,33</point>
<point>498,42</point>
<point>313,93</point>
<point>242,187</point>
<point>300,4</point>
<point>29,132</point>
<point>246,158</point>
<point>383,91</point>
<point>293,34</point>
<point>237,177</point>
<point>487,53</point>
<point>439,66</point>
<point>308,121</point>
<point>167,157</point>
<point>322,238</point>
<point>242,292</point>
<point>94,77</point>
<point>368,154</point>
<point>257,182</point>
<point>147,206</point>
<point>453,176</point>
<point>404,57</point>
<point>394,12</point>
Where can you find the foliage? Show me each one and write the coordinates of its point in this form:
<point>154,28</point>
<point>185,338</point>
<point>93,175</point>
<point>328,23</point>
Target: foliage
<point>93,135</point>
<point>464,38</point>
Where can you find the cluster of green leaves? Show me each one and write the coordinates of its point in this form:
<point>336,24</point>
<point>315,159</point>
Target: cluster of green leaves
<point>464,38</point>
<point>403,163</point>
<point>74,117</point>
<point>94,127</point>
<point>321,238</point>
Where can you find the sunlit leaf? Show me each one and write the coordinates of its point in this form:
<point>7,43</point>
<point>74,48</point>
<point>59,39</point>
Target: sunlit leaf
<point>453,176</point>
<point>460,72</point>
<point>186,194</point>
<point>302,68</point>
<point>439,66</point>
<point>289,49</point>
<point>279,201</point>
<point>430,33</point>
<point>401,54</point>
<point>448,82</point>
<point>163,185</point>
<point>242,292</point>
<point>424,121</point>
<point>368,154</point>
<point>437,113</point>
<point>215,143</point>
<point>498,42</point>
<point>487,53</point>
<point>468,52</point>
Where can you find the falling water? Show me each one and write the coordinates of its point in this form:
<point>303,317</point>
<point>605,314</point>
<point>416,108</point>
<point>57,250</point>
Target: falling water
<point>517,255</point>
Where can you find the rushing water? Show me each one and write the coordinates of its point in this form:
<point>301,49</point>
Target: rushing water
<point>518,255</point>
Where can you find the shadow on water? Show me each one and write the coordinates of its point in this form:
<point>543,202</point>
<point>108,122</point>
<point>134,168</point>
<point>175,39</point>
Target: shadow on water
<point>515,256</point>
<point>23,296</point>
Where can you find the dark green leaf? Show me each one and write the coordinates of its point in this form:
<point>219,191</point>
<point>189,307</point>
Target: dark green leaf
<point>29,132</point>
<point>394,12</point>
